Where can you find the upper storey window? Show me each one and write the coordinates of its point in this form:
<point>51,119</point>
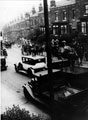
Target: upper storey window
<point>73,14</point>
<point>64,15</point>
<point>86,9</point>
<point>56,16</point>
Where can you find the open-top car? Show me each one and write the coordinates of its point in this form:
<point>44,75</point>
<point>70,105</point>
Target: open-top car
<point>70,89</point>
<point>3,65</point>
<point>31,64</point>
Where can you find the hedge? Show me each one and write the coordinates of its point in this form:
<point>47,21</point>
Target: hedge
<point>16,113</point>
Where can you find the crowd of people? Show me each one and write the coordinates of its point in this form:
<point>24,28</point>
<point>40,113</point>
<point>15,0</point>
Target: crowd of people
<point>32,49</point>
<point>73,52</point>
<point>60,49</point>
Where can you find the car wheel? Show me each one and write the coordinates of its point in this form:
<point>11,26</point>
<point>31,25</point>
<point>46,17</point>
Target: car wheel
<point>16,69</point>
<point>20,66</point>
<point>6,68</point>
<point>26,94</point>
<point>29,72</point>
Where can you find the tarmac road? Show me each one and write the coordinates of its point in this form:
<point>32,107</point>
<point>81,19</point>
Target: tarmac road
<point>11,85</point>
<point>11,88</point>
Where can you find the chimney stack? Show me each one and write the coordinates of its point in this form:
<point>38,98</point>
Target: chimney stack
<point>40,7</point>
<point>52,3</point>
<point>33,10</point>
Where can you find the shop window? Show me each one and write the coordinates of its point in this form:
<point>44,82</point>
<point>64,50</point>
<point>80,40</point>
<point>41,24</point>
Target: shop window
<point>83,27</point>
<point>86,9</point>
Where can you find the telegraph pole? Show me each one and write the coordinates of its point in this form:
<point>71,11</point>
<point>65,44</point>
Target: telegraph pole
<point>49,60</point>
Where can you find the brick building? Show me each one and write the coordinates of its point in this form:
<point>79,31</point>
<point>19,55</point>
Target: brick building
<point>64,17</point>
<point>70,16</point>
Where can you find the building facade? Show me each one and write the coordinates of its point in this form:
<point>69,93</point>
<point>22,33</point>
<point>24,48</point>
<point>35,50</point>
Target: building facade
<point>63,18</point>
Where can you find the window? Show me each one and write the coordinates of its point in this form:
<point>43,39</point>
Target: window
<point>73,14</point>
<point>83,27</point>
<point>55,29</point>
<point>34,21</point>
<point>44,29</point>
<point>56,16</point>
<point>64,15</point>
<point>31,22</point>
<point>26,59</point>
<point>40,60</point>
<point>23,59</point>
<point>63,29</point>
<point>86,7</point>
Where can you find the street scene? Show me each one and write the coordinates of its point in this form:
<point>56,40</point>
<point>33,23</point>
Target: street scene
<point>44,60</point>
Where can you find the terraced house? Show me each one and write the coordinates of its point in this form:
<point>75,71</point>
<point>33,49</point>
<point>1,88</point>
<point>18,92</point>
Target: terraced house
<point>64,17</point>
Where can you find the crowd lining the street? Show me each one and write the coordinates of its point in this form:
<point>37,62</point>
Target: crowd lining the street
<point>73,52</point>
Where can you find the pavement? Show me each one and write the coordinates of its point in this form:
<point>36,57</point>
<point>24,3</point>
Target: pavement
<point>84,65</point>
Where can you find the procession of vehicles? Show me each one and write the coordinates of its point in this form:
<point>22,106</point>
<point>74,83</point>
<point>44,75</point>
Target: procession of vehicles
<point>36,65</point>
<point>69,90</point>
<point>70,87</point>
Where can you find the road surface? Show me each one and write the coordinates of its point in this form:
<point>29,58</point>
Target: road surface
<point>11,85</point>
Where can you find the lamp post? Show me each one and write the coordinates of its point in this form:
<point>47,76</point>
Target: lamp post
<point>49,60</point>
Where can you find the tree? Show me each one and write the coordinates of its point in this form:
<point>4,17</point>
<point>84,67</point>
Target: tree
<point>34,34</point>
<point>41,39</point>
<point>15,113</point>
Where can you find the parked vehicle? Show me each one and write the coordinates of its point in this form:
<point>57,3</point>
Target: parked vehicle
<point>70,91</point>
<point>31,64</point>
<point>7,44</point>
<point>3,65</point>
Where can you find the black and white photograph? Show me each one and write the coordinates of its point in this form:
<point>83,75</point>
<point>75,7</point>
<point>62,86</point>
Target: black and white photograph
<point>44,59</point>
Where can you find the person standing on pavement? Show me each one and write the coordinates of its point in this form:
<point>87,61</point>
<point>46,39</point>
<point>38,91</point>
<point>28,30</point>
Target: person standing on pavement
<point>80,53</point>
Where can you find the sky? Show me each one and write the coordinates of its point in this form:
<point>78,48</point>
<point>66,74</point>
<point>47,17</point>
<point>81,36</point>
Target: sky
<point>11,9</point>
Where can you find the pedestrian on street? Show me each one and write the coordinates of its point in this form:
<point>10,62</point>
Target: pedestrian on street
<point>80,53</point>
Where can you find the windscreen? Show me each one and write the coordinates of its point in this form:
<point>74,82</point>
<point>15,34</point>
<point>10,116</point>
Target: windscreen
<point>32,61</point>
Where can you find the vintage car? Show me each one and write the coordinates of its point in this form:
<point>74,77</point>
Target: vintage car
<point>70,89</point>
<point>3,65</point>
<point>31,64</point>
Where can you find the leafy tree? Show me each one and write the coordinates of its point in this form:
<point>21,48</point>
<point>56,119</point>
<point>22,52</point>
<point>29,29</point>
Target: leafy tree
<point>41,39</point>
<point>34,34</point>
<point>67,38</point>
